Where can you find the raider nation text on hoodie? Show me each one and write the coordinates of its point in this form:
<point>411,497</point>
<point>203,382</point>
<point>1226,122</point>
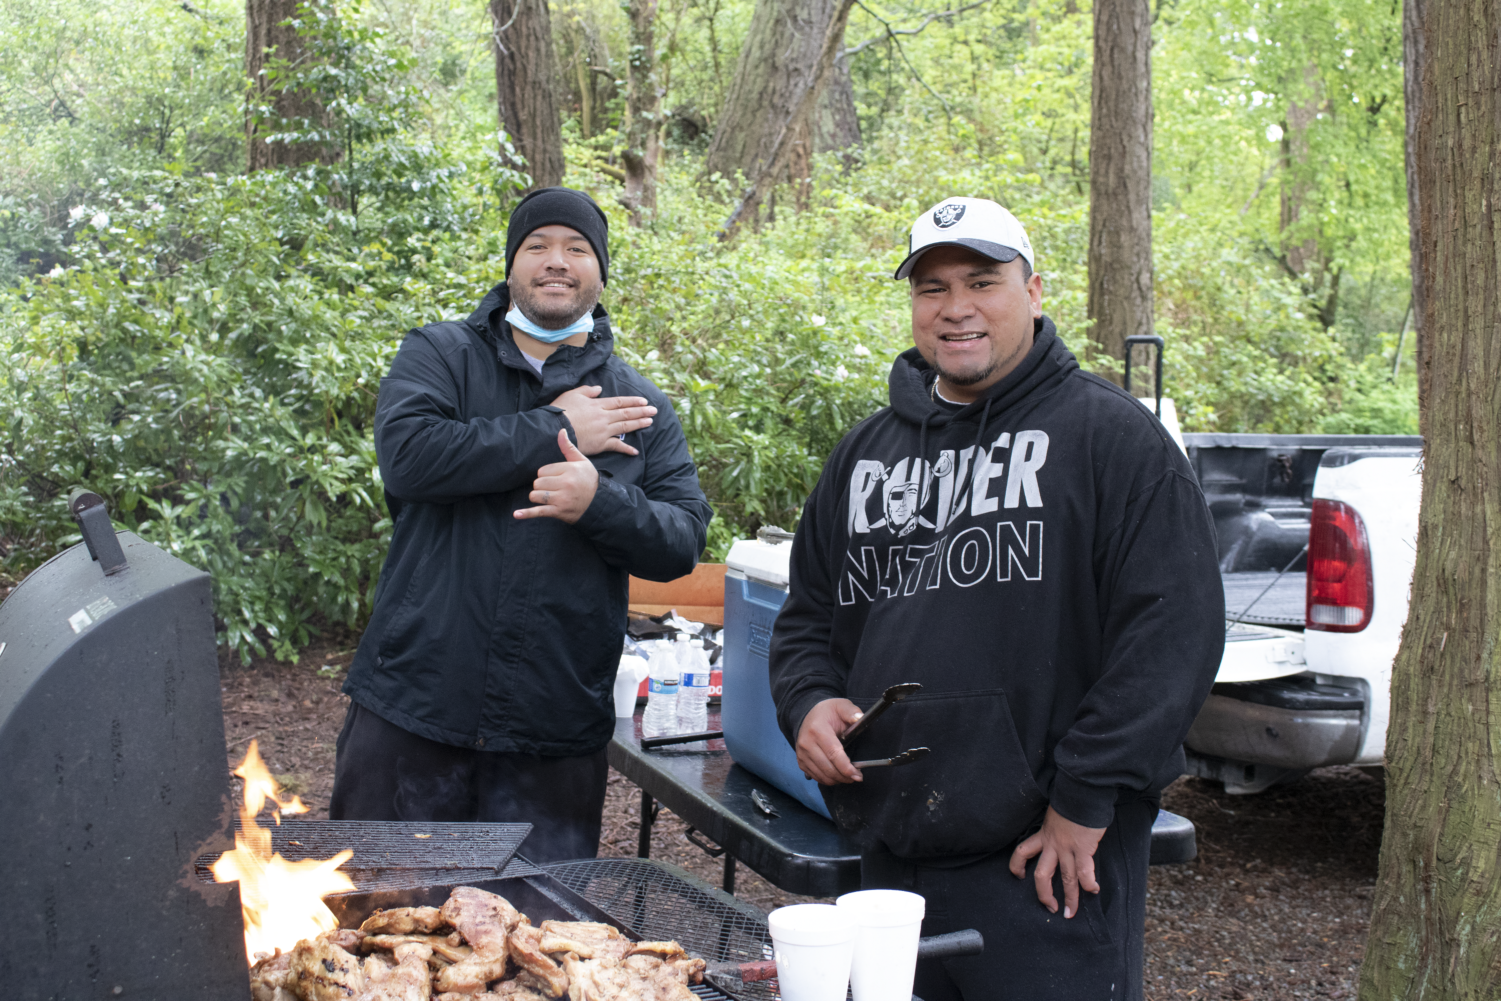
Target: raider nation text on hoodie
<point>1043,562</point>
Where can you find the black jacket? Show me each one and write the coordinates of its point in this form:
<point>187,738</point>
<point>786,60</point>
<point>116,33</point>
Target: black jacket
<point>490,632</point>
<point>1057,597</point>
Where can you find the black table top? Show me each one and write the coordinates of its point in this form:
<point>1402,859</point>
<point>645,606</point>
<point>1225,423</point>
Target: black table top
<point>798,851</point>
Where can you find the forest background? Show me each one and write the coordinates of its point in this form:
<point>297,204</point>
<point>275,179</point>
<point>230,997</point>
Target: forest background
<point>202,345</point>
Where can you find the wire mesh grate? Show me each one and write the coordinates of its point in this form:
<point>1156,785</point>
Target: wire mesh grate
<point>658,901</point>
<point>391,855</point>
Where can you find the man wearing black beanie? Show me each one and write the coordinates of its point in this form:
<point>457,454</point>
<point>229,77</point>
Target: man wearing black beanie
<point>528,471</point>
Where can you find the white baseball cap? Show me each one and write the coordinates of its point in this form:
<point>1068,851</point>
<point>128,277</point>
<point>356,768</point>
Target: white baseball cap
<point>976,223</point>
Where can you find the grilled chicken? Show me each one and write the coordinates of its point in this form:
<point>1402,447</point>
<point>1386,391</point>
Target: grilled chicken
<point>601,941</point>
<point>486,921</point>
<point>525,944</point>
<point>596,979</point>
<point>653,979</point>
<point>319,970</point>
<point>441,945</point>
<point>269,978</point>
<point>404,921</point>
<point>506,990</point>
<point>347,939</point>
<point>664,950</point>
<point>408,980</point>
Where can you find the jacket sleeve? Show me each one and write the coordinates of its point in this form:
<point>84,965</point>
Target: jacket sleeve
<point>657,530</point>
<point>1163,632</point>
<point>804,671</point>
<point>428,455</point>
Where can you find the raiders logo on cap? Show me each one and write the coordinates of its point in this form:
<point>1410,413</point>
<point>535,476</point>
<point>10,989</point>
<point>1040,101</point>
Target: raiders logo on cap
<point>946,215</point>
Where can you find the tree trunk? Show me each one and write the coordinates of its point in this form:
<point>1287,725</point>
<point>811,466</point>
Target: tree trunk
<point>1120,177</point>
<point>777,62</point>
<point>1302,256</point>
<point>1437,906</point>
<point>268,39</point>
<point>784,148</point>
<point>643,102</point>
<point>1413,56</point>
<point>524,86</point>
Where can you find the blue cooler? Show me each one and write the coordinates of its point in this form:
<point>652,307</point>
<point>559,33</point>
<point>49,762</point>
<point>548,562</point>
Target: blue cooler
<point>755,586</point>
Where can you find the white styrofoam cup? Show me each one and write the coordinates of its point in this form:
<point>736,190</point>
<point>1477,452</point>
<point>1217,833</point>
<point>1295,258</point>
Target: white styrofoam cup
<point>813,945</point>
<point>628,679</point>
<point>885,960</point>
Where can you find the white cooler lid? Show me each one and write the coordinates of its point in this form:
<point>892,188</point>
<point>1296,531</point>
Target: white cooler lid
<point>761,561</point>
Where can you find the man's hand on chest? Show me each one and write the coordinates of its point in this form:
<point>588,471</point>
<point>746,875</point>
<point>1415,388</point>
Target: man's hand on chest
<point>598,422</point>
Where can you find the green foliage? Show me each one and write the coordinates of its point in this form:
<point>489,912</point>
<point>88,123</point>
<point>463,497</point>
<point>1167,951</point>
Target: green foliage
<point>204,348</point>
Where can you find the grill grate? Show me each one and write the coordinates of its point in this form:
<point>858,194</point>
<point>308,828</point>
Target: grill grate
<point>392,855</point>
<point>656,900</point>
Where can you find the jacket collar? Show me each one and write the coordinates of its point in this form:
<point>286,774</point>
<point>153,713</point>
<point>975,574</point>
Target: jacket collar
<point>565,368</point>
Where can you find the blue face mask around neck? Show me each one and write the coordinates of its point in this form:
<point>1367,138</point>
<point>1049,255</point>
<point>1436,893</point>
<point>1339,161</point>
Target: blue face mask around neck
<point>516,318</point>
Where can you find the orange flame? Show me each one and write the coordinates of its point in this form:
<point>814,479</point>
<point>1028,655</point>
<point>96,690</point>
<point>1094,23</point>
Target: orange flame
<point>281,901</point>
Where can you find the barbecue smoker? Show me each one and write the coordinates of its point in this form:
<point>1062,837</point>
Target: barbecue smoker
<point>112,741</point>
<point>117,800</point>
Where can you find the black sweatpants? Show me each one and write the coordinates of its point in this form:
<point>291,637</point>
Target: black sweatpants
<point>1031,955</point>
<point>383,772</point>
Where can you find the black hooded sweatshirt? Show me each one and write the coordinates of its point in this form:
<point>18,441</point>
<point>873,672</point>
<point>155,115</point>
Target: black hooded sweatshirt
<point>496,633</point>
<point>1043,562</point>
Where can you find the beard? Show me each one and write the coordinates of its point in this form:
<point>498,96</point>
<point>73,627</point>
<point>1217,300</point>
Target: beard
<point>555,314</point>
<point>969,377</point>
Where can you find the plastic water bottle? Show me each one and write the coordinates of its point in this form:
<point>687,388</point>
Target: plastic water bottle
<point>661,716</point>
<point>693,695</point>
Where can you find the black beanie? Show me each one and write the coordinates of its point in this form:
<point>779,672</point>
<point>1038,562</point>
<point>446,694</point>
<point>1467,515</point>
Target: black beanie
<point>560,207</point>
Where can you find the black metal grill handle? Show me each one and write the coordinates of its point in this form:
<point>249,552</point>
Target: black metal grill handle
<point>89,511</point>
<point>968,942</point>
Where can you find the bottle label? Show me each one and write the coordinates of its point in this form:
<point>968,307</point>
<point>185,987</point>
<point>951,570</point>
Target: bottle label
<point>660,687</point>
<point>696,680</point>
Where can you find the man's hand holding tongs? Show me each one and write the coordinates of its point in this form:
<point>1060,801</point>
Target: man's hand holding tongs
<point>820,752</point>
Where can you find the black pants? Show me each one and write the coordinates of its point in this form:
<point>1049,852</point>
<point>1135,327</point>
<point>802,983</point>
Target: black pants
<point>1031,955</point>
<point>386,773</point>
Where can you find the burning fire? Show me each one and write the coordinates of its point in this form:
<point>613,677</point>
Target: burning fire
<point>282,901</point>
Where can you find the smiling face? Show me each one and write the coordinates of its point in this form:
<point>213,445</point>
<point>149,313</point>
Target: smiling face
<point>972,318</point>
<point>554,278</point>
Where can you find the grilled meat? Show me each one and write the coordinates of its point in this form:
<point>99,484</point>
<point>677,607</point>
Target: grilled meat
<point>441,945</point>
<point>486,921</point>
<point>596,979</point>
<point>269,978</point>
<point>602,941</point>
<point>408,980</point>
<point>653,979</point>
<point>404,921</point>
<point>526,949</point>
<point>320,970</point>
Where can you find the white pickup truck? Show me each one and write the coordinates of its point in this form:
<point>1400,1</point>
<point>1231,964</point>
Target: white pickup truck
<point>1317,537</point>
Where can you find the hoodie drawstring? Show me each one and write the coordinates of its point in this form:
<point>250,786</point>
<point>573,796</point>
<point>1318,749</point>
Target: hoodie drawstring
<point>922,445</point>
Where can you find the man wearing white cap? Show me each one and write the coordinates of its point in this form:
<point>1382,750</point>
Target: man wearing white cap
<point>1050,578</point>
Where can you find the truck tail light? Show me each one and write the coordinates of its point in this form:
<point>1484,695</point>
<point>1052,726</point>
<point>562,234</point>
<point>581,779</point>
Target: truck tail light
<point>1340,589</point>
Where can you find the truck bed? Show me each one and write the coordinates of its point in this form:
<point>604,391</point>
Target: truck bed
<point>1262,598</point>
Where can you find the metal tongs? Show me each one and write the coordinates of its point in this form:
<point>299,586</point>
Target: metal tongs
<point>908,756</point>
<point>889,698</point>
